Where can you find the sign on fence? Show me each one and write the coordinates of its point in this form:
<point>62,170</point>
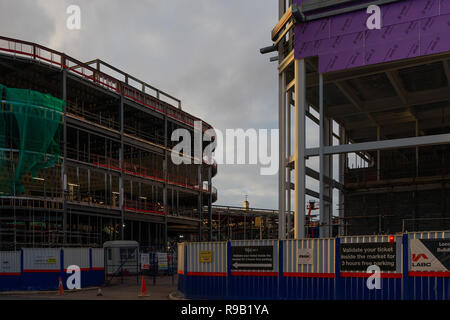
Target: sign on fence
<point>430,254</point>
<point>205,256</point>
<point>162,261</point>
<point>359,256</point>
<point>252,258</point>
<point>305,256</point>
<point>145,261</point>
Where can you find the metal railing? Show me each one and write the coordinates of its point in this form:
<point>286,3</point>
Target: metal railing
<point>41,54</point>
<point>105,121</point>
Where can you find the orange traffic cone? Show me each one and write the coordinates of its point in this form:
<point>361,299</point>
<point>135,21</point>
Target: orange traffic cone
<point>60,288</point>
<point>143,288</point>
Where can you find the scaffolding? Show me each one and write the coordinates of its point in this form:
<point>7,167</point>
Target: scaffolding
<point>97,162</point>
<point>386,125</point>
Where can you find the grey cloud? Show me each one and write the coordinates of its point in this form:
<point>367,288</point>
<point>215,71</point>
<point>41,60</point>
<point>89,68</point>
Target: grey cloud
<point>204,52</point>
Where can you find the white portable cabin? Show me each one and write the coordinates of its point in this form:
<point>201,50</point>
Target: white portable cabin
<point>121,255</point>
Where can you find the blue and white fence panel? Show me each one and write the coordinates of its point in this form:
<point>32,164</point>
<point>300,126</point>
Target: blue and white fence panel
<point>410,266</point>
<point>41,268</point>
<point>180,266</point>
<point>96,274</point>
<point>429,266</point>
<point>253,269</point>
<point>309,269</point>
<point>10,269</point>
<point>206,269</point>
<point>384,251</point>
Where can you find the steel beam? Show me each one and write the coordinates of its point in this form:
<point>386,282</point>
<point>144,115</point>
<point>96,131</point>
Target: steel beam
<point>64,166</point>
<point>382,145</point>
<point>282,155</point>
<point>342,162</point>
<point>288,153</point>
<point>121,160</point>
<point>300,144</point>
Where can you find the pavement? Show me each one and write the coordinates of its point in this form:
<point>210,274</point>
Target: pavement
<point>163,289</point>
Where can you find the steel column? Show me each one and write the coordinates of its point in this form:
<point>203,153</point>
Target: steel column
<point>64,166</point>
<point>300,144</point>
<point>282,159</point>
<point>288,153</point>
<point>210,203</point>
<point>121,160</point>
<point>342,163</point>
<point>321,160</point>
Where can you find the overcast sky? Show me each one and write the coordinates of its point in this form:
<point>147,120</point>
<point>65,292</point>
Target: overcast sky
<point>204,52</point>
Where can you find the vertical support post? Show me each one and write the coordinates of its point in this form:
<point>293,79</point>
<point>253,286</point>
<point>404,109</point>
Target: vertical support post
<point>121,160</point>
<point>417,149</point>
<point>288,177</point>
<point>405,271</point>
<point>185,275</point>
<point>210,202</point>
<point>281,294</point>
<point>323,210</point>
<point>327,206</point>
<point>338,288</point>
<point>228,291</point>
<point>342,162</point>
<point>378,155</point>
<point>282,138</point>
<point>282,160</point>
<point>199,202</point>
<point>64,166</point>
<point>165,182</point>
<point>300,141</point>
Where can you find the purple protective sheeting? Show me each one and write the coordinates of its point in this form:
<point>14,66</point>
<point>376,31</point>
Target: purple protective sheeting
<point>435,43</point>
<point>445,6</point>
<point>409,10</point>
<point>315,30</point>
<point>342,60</point>
<point>393,32</point>
<point>410,28</point>
<point>340,43</point>
<point>434,25</point>
<point>348,23</point>
<point>392,50</point>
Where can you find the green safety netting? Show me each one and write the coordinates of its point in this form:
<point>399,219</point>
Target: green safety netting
<point>30,134</point>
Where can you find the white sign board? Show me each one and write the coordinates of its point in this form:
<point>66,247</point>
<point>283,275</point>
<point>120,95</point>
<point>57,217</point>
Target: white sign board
<point>41,259</point>
<point>9,262</point>
<point>162,261</point>
<point>430,255</point>
<point>305,256</point>
<point>145,261</point>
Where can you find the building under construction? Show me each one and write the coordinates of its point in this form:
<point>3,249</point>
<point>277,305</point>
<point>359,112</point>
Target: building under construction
<point>380,99</point>
<point>85,155</point>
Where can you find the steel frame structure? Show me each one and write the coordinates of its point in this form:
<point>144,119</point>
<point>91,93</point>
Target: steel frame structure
<point>107,151</point>
<point>301,87</point>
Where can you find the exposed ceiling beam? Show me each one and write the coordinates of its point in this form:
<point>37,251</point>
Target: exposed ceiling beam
<point>351,95</point>
<point>447,70</point>
<point>398,130</point>
<point>313,79</point>
<point>386,104</point>
<point>411,142</point>
<point>397,83</point>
